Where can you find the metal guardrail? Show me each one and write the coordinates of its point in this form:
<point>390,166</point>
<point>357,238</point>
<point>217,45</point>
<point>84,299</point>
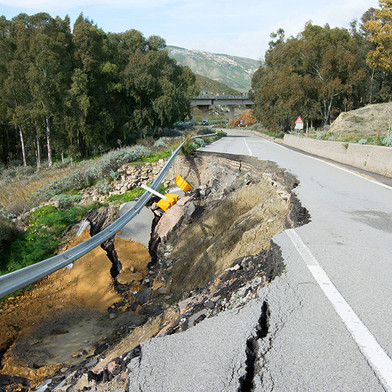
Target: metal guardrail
<point>16,280</point>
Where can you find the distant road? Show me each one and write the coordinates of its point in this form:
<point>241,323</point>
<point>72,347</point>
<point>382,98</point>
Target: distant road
<point>330,318</point>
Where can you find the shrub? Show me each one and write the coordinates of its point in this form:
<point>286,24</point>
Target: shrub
<point>67,201</point>
<point>16,172</point>
<point>321,135</point>
<point>103,187</point>
<point>8,232</point>
<point>199,142</point>
<point>160,143</point>
<point>64,201</point>
<point>362,141</point>
<point>83,178</point>
<point>114,174</point>
<point>189,145</point>
<point>387,141</point>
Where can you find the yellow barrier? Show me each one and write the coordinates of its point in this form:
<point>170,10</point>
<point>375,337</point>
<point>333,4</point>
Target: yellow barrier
<point>182,183</point>
<point>170,201</point>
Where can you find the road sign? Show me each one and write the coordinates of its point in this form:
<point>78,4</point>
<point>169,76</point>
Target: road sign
<point>299,124</point>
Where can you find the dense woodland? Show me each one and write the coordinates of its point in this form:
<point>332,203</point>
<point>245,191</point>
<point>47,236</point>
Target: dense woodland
<point>325,71</point>
<point>80,92</point>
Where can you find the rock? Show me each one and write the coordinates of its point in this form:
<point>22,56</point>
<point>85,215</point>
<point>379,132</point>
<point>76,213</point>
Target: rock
<point>59,331</point>
<point>162,290</point>
<point>184,200</point>
<point>153,310</point>
<point>170,219</point>
<point>190,208</point>
<point>209,304</point>
<point>92,363</point>
<point>142,297</point>
<point>112,316</point>
<point>42,387</point>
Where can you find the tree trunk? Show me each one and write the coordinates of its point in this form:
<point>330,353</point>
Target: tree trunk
<point>38,153</point>
<point>371,87</point>
<point>50,162</point>
<point>327,110</point>
<point>23,146</point>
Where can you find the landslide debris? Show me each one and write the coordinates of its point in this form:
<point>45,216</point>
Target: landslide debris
<point>211,252</point>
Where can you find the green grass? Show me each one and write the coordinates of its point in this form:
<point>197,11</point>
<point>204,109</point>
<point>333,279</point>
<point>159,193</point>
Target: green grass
<point>156,156</point>
<point>131,195</point>
<point>126,197</point>
<point>42,236</point>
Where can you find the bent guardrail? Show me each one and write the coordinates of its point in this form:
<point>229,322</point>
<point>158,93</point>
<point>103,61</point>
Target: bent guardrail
<point>16,280</point>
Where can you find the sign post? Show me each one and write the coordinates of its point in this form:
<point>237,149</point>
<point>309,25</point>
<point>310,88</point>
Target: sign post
<point>299,124</point>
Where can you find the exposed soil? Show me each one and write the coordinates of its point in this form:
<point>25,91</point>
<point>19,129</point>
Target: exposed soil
<point>210,252</point>
<point>65,316</point>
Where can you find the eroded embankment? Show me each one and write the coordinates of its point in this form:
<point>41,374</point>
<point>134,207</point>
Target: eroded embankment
<point>210,252</point>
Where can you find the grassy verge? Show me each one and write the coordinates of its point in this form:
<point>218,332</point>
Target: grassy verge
<point>131,195</point>
<point>42,237</point>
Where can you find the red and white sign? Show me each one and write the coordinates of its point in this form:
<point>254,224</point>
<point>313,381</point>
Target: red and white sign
<point>299,124</point>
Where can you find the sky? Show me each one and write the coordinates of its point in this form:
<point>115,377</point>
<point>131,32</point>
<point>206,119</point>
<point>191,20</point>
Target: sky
<point>235,27</point>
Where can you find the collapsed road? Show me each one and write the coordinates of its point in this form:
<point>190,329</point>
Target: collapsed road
<point>280,329</point>
<point>237,206</point>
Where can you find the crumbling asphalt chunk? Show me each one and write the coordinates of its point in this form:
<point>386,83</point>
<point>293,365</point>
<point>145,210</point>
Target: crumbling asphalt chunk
<point>233,289</point>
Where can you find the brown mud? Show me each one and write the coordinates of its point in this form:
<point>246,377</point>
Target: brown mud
<point>65,316</point>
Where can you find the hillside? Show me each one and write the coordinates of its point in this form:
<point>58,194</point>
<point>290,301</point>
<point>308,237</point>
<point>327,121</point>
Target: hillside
<point>236,72</point>
<point>370,122</point>
<point>209,86</point>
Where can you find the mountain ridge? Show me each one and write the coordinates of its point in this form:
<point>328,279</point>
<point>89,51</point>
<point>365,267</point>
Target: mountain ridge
<point>234,71</point>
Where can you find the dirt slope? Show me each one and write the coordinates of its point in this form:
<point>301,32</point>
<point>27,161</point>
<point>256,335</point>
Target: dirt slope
<point>367,122</point>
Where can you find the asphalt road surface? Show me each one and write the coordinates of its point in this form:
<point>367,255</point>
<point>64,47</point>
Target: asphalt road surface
<point>325,324</point>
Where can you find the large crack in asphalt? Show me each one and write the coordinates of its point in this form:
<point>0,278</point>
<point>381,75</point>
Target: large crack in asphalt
<point>252,350</point>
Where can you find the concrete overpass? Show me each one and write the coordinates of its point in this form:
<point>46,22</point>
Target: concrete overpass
<point>206,102</point>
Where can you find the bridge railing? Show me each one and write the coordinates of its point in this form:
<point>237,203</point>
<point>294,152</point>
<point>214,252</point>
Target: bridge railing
<point>212,96</point>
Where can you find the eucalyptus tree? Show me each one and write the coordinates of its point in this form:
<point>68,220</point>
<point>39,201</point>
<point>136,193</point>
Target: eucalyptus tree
<point>49,69</point>
<point>92,83</point>
<point>159,90</point>
<point>15,94</point>
<point>313,74</point>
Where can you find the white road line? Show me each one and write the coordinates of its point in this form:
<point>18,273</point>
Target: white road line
<point>247,146</point>
<point>337,167</point>
<point>380,362</point>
